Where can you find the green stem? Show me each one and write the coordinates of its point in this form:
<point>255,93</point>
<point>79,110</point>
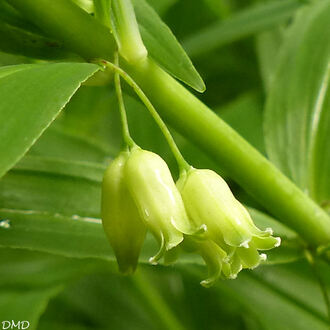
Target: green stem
<point>67,22</point>
<point>125,130</point>
<point>190,117</point>
<point>183,165</point>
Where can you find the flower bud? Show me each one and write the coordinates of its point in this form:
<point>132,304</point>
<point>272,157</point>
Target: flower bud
<point>120,217</point>
<point>158,200</point>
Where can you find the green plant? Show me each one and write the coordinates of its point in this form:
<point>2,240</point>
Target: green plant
<point>60,94</point>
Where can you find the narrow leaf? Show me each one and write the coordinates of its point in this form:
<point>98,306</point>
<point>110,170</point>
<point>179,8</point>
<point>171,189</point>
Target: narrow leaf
<point>31,97</point>
<point>297,121</point>
<point>163,46</point>
<point>243,24</point>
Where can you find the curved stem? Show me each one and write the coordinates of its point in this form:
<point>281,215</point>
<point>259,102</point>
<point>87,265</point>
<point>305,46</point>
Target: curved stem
<point>182,163</point>
<point>125,130</point>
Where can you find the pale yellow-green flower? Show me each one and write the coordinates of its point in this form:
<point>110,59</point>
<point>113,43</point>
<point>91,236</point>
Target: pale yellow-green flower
<point>209,201</point>
<point>121,220</point>
<point>157,198</point>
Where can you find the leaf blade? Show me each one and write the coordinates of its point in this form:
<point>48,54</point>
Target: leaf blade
<point>296,116</point>
<point>163,46</point>
<point>31,99</point>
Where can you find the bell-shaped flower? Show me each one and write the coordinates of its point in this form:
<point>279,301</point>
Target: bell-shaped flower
<point>121,220</point>
<point>157,198</point>
<point>214,257</point>
<point>209,201</point>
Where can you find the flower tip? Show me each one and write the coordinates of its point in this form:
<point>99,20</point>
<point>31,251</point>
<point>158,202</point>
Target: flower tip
<point>245,244</point>
<point>269,231</point>
<point>128,270</point>
<point>232,276</point>
<point>171,245</point>
<point>202,229</point>
<point>263,257</point>
<point>208,282</point>
<point>278,241</point>
<point>153,260</point>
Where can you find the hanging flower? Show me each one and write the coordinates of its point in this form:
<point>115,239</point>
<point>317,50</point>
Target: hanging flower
<point>121,220</point>
<point>157,198</point>
<point>209,201</point>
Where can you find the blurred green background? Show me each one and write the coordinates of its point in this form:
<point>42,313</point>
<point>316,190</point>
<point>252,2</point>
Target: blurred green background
<point>66,278</point>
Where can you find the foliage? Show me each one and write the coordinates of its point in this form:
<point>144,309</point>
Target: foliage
<point>265,66</point>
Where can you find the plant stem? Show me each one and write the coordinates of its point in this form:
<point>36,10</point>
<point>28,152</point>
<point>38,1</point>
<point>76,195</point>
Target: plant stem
<point>183,165</point>
<point>125,130</point>
<point>67,22</point>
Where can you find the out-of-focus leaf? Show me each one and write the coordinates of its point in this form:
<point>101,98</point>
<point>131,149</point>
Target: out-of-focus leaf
<point>245,23</point>
<point>110,300</point>
<point>73,236</point>
<point>11,16</point>
<point>297,122</point>
<point>245,116</point>
<point>163,46</point>
<point>25,305</point>
<point>278,309</point>
<point>10,59</point>
<point>15,40</point>
<point>268,44</point>
<point>57,143</point>
<point>29,279</point>
<point>220,8</point>
<point>53,186</point>
<point>92,114</point>
<point>280,296</point>
<point>31,98</point>
<point>161,6</point>
<point>24,269</point>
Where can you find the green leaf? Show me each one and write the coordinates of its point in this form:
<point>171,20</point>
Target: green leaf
<point>245,115</point>
<point>297,119</point>
<point>15,40</point>
<point>30,279</point>
<point>25,305</point>
<point>268,44</point>
<point>163,46</point>
<point>281,297</point>
<point>75,187</point>
<point>162,6</point>
<point>245,23</point>
<point>31,98</point>
<point>10,15</point>
<point>57,143</point>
